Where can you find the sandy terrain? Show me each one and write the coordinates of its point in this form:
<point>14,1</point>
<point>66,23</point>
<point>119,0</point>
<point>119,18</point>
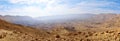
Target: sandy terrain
<point>109,30</point>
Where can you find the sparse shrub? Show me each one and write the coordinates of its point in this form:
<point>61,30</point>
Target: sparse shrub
<point>110,31</point>
<point>17,32</point>
<point>75,34</point>
<point>118,33</point>
<point>96,34</point>
<point>79,32</point>
<point>88,40</point>
<point>48,33</point>
<point>90,33</point>
<point>102,32</point>
<point>2,36</point>
<point>48,40</point>
<point>86,35</point>
<point>57,36</point>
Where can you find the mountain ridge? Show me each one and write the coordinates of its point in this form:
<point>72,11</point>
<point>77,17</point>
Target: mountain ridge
<point>98,28</point>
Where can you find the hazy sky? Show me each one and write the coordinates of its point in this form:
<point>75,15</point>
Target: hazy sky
<point>36,8</point>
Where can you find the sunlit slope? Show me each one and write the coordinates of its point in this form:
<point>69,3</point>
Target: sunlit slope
<point>104,27</point>
<point>13,32</point>
<point>107,29</point>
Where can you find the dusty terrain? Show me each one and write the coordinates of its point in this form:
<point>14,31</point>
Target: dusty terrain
<point>105,28</point>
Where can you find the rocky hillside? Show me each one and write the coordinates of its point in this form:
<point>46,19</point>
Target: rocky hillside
<point>104,27</point>
<point>13,32</point>
<point>100,28</point>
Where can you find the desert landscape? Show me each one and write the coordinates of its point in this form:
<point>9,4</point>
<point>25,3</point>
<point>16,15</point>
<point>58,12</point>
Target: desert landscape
<point>104,29</point>
<point>59,20</point>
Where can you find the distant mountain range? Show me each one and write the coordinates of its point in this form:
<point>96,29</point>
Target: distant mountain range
<point>64,20</point>
<point>23,20</point>
<point>65,17</point>
<point>88,28</point>
<point>29,21</point>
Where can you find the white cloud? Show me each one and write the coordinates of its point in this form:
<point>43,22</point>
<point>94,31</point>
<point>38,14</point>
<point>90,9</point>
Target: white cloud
<point>1,7</point>
<point>30,1</point>
<point>54,8</point>
<point>93,7</point>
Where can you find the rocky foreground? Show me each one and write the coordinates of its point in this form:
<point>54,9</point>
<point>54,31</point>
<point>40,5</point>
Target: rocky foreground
<point>107,30</point>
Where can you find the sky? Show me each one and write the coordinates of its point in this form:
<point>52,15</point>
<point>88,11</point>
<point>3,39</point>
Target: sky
<point>35,8</point>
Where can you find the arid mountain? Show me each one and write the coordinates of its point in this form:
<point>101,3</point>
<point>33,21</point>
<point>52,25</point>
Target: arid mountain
<point>13,32</point>
<point>23,20</point>
<point>92,21</point>
<point>102,27</point>
<point>47,20</point>
<point>64,18</point>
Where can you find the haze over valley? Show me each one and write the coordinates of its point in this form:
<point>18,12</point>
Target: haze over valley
<point>59,20</point>
<point>89,27</point>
